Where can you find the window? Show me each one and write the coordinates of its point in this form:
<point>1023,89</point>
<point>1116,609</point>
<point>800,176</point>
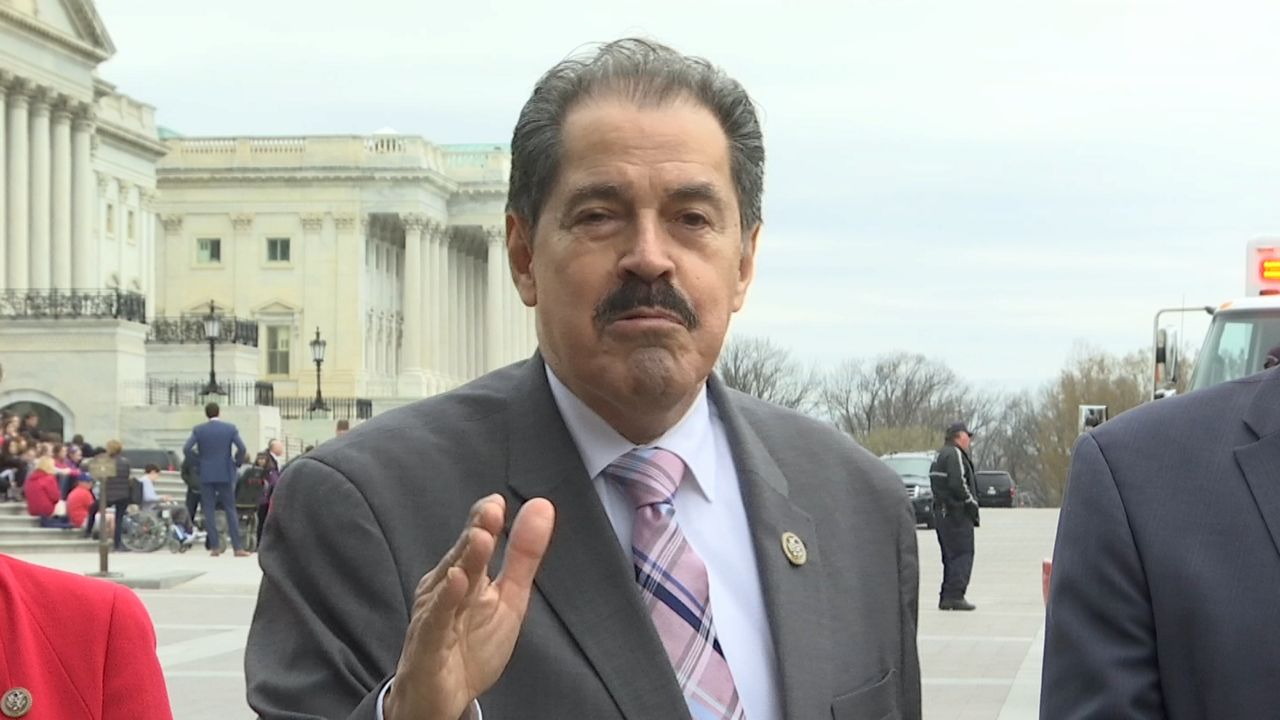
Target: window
<point>278,250</point>
<point>132,234</point>
<point>278,350</point>
<point>209,251</point>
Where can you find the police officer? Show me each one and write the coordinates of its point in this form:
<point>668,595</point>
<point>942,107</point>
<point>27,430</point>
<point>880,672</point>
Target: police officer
<point>955,514</point>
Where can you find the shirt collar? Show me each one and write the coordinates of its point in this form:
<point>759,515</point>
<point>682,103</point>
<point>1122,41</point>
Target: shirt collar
<point>599,444</point>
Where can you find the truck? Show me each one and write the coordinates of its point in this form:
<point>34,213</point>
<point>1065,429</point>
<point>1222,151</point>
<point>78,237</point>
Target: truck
<point>1242,333</point>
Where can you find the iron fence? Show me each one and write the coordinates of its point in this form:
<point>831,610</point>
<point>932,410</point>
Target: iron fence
<point>297,408</point>
<point>44,304</point>
<point>190,329</point>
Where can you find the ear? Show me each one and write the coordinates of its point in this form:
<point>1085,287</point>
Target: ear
<point>520,258</point>
<point>746,268</point>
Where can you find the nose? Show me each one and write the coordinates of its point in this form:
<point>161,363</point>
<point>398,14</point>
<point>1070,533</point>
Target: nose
<point>648,254</point>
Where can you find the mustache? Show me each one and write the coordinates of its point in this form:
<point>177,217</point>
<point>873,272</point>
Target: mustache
<point>635,294</point>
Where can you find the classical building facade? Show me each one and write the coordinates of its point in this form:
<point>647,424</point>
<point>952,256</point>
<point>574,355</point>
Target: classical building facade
<point>115,244</point>
<point>392,247</point>
<point>78,181</point>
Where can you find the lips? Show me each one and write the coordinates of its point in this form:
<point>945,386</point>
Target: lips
<point>650,314</point>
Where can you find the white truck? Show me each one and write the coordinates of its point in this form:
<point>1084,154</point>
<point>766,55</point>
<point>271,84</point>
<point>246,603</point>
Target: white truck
<point>1243,331</point>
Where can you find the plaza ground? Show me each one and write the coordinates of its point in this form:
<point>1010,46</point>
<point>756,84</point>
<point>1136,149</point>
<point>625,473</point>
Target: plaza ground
<point>983,665</point>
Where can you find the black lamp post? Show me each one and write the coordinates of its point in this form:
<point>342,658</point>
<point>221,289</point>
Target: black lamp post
<point>212,331</point>
<point>317,356</point>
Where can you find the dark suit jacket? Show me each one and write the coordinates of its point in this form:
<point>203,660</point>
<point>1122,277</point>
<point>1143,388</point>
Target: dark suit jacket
<point>357,522</point>
<point>1166,575</point>
<point>213,442</point>
<point>83,648</point>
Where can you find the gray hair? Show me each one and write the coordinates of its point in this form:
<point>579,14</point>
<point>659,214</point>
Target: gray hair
<point>647,73</point>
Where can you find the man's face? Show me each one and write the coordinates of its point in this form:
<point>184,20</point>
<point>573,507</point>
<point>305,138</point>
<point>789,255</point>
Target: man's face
<point>637,261</point>
<point>963,440</point>
<point>33,421</point>
<point>277,448</point>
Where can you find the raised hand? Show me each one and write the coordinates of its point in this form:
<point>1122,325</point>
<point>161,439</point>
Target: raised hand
<point>464,625</point>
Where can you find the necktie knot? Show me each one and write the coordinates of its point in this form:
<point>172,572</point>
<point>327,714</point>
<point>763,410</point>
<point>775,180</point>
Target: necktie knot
<point>649,476</point>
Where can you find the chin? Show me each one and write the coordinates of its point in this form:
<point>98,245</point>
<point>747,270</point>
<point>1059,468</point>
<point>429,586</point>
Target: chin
<point>656,372</point>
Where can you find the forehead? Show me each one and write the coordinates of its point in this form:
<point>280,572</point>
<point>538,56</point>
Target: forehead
<point>616,140</point>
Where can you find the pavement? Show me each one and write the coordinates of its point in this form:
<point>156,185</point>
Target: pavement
<point>983,665</point>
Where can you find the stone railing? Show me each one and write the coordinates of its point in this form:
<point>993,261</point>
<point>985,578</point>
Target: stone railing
<point>73,305</point>
<point>189,329</point>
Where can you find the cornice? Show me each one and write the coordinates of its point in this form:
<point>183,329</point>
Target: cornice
<point>83,49</point>
<point>153,148</point>
<point>306,175</point>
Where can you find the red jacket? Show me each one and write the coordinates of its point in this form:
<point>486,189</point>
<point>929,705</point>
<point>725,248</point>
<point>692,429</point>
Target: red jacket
<point>42,493</point>
<point>100,666</point>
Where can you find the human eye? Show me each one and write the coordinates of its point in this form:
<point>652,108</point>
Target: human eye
<point>693,219</point>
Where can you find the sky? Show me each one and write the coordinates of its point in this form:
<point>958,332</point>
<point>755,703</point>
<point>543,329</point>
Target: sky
<point>991,183</point>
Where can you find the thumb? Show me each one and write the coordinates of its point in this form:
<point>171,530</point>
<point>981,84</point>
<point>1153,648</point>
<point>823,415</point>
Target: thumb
<point>529,539</point>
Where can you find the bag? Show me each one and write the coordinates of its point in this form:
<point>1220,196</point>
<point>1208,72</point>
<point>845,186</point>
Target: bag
<point>60,508</point>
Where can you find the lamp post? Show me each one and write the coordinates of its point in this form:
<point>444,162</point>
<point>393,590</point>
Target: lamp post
<point>212,331</point>
<point>317,356</point>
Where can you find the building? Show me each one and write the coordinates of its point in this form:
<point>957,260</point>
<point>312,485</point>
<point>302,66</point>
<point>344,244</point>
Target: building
<point>116,245</point>
<point>391,247</point>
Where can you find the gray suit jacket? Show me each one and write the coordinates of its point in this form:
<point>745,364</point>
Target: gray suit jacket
<point>1166,577</point>
<point>358,522</point>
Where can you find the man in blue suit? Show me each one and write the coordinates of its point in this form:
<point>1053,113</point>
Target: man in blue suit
<point>211,444</point>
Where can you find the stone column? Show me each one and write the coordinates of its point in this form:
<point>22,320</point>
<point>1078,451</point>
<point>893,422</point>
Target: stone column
<point>18,183</point>
<point>5,79</point>
<point>102,260</point>
<point>467,321</point>
<point>84,202</point>
<point>147,231</point>
<point>496,262</point>
<point>39,273</point>
<point>173,244</point>
<point>412,380</point>
<point>124,194</point>
<point>439,302</point>
<point>62,190</point>
<point>243,260</point>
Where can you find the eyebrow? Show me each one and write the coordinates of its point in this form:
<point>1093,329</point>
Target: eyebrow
<point>595,191</point>
<point>703,191</point>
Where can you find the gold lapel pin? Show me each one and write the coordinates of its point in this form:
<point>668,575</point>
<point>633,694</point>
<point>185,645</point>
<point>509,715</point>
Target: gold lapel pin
<point>16,703</point>
<point>794,548</point>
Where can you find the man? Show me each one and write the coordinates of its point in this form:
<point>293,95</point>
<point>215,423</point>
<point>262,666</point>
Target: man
<point>211,445</point>
<point>776,559</point>
<point>955,515</point>
<point>31,427</point>
<point>275,448</point>
<point>1167,562</point>
<point>344,427</point>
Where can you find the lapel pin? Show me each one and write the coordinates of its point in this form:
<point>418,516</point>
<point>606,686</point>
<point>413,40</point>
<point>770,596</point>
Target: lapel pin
<point>16,703</point>
<point>794,548</point>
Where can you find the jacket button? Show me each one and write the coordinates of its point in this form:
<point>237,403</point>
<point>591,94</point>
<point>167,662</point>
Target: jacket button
<point>16,703</point>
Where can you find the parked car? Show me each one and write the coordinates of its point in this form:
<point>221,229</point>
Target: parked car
<point>913,468</point>
<point>139,458</point>
<point>996,489</point>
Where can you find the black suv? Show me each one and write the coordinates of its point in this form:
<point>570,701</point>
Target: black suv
<point>913,468</point>
<point>996,489</point>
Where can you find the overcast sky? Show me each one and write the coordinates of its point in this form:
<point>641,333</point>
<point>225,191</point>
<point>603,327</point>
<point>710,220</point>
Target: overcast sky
<point>985,182</point>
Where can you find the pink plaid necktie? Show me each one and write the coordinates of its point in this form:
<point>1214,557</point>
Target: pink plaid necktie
<point>673,583</point>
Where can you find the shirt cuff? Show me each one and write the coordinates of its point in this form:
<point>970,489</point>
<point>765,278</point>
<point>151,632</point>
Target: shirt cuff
<point>473,712</point>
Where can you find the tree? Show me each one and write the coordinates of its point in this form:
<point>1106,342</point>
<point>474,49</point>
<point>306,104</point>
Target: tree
<point>883,397</point>
<point>1091,377</point>
<point>758,367</point>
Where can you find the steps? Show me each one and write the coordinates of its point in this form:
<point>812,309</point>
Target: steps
<point>21,534</point>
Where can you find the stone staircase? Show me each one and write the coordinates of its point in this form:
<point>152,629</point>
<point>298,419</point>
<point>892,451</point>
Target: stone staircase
<point>21,534</point>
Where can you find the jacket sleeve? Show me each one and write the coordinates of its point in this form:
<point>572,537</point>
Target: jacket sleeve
<point>909,598</point>
<point>241,451</point>
<point>331,608</point>
<point>133,685</point>
<point>189,446</point>
<point>1100,644</point>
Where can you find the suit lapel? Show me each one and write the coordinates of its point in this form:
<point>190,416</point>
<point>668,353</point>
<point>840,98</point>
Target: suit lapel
<point>1260,461</point>
<point>794,596</point>
<point>585,577</point>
